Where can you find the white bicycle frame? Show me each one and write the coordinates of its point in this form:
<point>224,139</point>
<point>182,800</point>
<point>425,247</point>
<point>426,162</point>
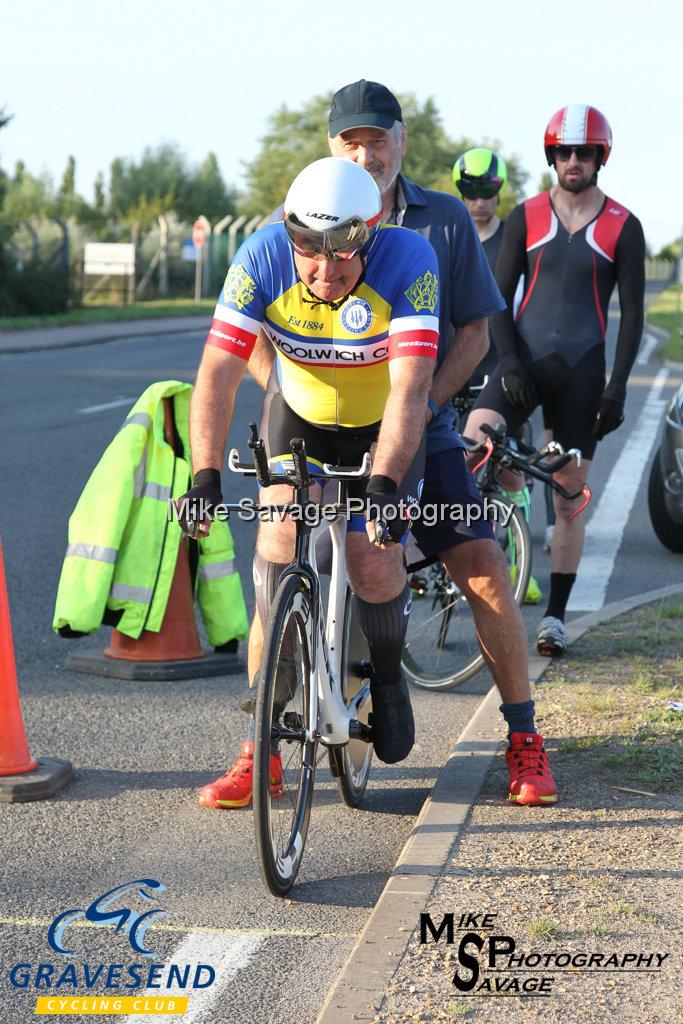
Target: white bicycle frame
<point>328,716</point>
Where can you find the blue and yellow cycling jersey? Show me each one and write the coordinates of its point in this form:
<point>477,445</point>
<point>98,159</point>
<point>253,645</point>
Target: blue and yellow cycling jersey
<point>332,364</point>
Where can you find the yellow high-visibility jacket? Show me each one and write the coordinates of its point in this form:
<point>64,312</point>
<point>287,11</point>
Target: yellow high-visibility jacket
<point>123,547</point>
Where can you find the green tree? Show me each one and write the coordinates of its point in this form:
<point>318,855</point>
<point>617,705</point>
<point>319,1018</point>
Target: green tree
<point>546,182</point>
<point>205,191</point>
<point>68,185</point>
<point>164,181</point>
<point>672,251</point>
<point>296,137</point>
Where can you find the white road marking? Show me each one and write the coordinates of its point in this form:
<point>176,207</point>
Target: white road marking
<point>648,347</point>
<point>605,529</point>
<point>108,405</point>
<point>227,956</point>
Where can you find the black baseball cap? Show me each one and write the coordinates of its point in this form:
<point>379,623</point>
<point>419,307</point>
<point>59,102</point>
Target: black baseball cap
<point>363,105</point>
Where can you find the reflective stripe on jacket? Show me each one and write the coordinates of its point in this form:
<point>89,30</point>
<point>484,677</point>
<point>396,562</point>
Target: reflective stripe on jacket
<point>122,546</point>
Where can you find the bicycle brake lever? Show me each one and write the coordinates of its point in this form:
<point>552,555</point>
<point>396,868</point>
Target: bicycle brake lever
<point>363,470</point>
<point>577,454</point>
<point>235,466</point>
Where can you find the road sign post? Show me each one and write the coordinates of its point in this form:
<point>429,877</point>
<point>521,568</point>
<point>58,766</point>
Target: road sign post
<point>199,240</point>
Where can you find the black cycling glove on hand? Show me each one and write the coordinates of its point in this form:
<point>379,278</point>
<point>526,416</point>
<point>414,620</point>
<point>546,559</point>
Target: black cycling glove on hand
<point>610,411</point>
<point>382,495</point>
<point>199,502</point>
<point>520,387</point>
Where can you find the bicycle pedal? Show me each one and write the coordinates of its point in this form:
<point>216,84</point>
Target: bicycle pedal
<point>360,731</point>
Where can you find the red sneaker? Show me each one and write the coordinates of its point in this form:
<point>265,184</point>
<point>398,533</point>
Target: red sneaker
<point>531,781</point>
<point>234,789</point>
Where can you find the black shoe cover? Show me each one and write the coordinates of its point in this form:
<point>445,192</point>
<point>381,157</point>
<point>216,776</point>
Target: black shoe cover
<point>393,726</point>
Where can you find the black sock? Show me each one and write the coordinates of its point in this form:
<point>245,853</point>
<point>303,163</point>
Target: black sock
<point>384,627</point>
<point>561,584</point>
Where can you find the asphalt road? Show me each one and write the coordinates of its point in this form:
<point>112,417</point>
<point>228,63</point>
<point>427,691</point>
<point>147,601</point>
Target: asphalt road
<point>142,750</point>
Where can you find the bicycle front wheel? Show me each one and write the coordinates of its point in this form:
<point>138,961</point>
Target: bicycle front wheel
<point>284,754</point>
<point>350,765</point>
<point>442,648</point>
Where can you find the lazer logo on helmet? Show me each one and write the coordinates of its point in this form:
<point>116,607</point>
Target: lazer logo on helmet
<point>322,216</point>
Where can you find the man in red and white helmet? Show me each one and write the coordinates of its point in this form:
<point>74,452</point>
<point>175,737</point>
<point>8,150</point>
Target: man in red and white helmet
<point>572,244</point>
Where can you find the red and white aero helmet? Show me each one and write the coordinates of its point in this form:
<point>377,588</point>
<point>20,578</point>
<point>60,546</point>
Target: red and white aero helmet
<point>578,125</point>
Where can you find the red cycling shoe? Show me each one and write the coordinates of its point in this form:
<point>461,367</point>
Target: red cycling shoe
<point>531,780</point>
<point>235,787</point>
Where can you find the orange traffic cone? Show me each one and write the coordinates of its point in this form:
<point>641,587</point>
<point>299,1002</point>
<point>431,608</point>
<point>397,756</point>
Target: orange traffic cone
<point>22,778</point>
<point>175,651</point>
<point>178,639</point>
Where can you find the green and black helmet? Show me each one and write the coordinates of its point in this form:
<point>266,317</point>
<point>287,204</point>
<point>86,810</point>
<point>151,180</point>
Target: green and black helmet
<point>479,174</point>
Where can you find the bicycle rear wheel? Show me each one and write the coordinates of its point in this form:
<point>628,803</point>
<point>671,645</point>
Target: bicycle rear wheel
<point>282,812</point>
<point>442,648</point>
<point>350,765</point>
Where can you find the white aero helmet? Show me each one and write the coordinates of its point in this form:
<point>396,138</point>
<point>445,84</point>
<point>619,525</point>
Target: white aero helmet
<point>332,209</point>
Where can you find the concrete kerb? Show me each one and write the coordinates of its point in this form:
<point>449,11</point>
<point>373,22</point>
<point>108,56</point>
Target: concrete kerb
<point>49,338</point>
<point>359,991</point>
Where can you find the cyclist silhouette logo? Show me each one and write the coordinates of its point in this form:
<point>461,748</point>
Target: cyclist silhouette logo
<point>126,920</point>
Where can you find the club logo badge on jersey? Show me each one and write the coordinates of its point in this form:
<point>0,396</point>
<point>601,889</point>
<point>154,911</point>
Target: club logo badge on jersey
<point>356,316</point>
<point>239,287</point>
<point>424,292</point>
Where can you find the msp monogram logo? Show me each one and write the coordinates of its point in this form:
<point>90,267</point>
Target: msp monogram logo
<point>424,292</point>
<point>239,287</point>
<point>356,316</point>
<point>100,912</point>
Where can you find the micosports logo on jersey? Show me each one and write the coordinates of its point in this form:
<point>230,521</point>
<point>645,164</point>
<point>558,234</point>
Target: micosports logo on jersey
<point>356,316</point>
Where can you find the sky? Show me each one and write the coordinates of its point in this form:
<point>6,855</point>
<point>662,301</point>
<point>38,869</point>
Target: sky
<point>104,81</point>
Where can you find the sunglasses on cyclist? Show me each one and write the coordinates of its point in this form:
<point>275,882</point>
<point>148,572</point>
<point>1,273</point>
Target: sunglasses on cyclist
<point>585,154</point>
<point>341,242</point>
<point>479,188</point>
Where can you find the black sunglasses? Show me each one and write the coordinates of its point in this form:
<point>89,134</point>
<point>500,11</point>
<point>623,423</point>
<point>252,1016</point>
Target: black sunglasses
<point>483,189</point>
<point>585,154</point>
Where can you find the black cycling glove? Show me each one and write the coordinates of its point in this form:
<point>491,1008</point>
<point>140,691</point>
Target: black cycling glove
<point>610,411</point>
<point>382,498</point>
<point>200,500</point>
<point>520,387</point>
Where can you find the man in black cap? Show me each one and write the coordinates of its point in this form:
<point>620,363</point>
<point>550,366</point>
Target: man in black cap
<point>366,126</point>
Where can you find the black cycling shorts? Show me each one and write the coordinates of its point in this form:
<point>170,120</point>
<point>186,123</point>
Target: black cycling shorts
<point>452,508</point>
<point>341,447</point>
<point>569,397</point>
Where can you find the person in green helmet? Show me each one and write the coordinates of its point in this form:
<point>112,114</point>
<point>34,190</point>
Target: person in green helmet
<point>480,176</point>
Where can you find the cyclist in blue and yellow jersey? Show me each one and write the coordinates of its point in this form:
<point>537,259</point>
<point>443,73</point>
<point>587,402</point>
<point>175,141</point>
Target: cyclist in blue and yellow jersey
<point>573,244</point>
<point>366,127</point>
<point>353,314</point>
<point>480,175</point>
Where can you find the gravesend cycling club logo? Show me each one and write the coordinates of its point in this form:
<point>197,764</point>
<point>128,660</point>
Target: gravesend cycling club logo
<point>79,987</point>
<point>424,292</point>
<point>356,316</point>
<point>239,287</point>
<point>490,963</point>
<point>101,912</point>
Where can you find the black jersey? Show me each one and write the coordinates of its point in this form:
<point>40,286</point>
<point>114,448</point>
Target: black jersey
<point>568,282</point>
<point>492,246</point>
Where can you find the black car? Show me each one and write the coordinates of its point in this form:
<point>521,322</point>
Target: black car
<point>665,490</point>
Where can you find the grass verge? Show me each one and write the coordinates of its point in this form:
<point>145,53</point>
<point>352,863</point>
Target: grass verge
<point>610,701</point>
<point>153,309</point>
<point>667,312</point>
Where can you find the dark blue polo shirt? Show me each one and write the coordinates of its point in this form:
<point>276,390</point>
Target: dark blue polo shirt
<point>467,289</point>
